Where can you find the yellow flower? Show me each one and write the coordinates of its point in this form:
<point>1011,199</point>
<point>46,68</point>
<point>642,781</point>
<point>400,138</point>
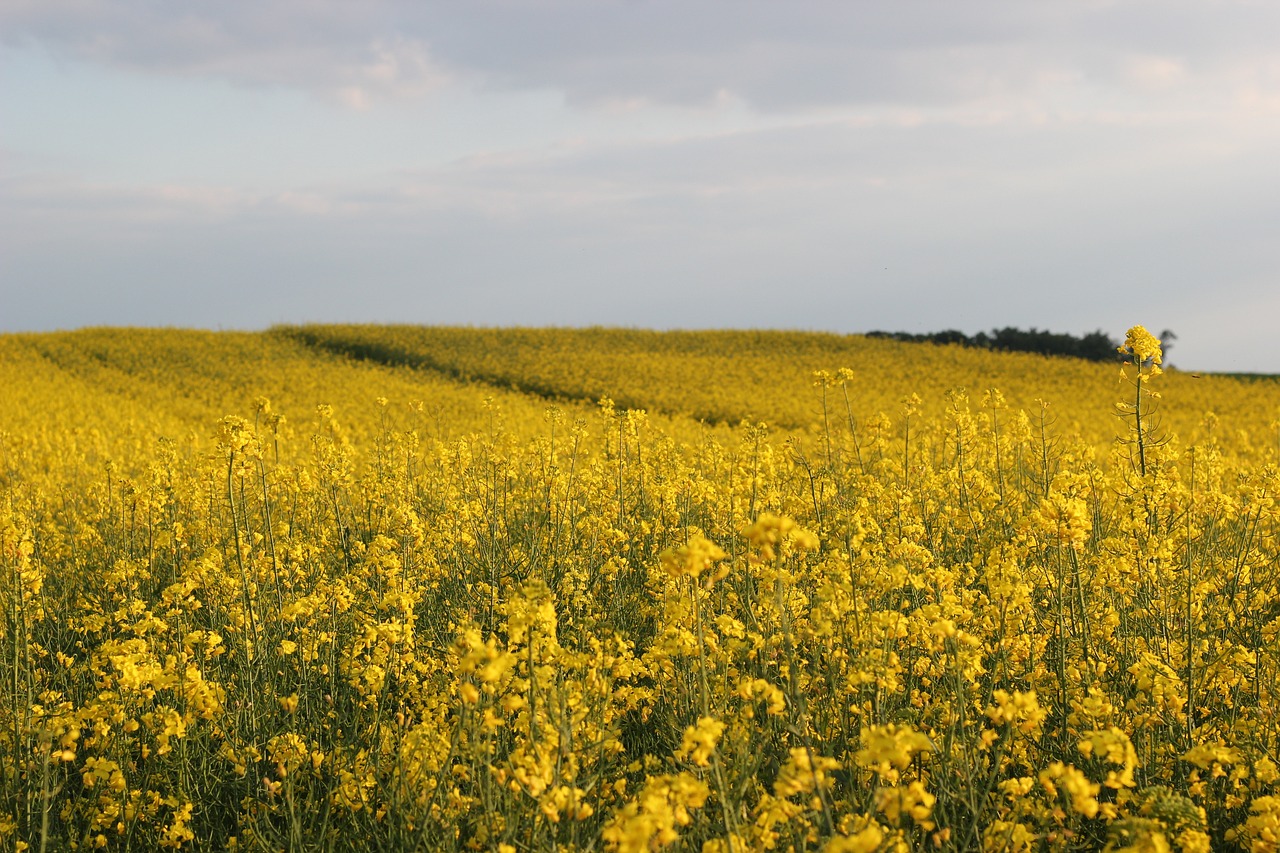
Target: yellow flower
<point>692,558</point>
<point>1143,345</point>
<point>178,832</point>
<point>888,749</point>
<point>800,775</point>
<point>866,840</point>
<point>1112,746</point>
<point>1008,837</point>
<point>650,820</point>
<point>1262,829</point>
<point>1194,841</point>
<point>700,741</point>
<point>563,800</point>
<point>1082,792</point>
<point>913,800</point>
<point>1020,710</point>
<point>772,533</point>
<point>1064,520</point>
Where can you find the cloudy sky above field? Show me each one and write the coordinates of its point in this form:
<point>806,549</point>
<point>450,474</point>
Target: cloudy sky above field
<point>900,164</point>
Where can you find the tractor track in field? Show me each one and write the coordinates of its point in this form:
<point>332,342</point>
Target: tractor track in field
<point>389,355</point>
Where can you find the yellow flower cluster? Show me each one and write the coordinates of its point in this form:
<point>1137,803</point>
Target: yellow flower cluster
<point>356,588</point>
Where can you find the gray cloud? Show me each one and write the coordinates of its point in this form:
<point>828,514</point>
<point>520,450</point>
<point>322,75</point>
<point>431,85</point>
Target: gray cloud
<point>775,56</point>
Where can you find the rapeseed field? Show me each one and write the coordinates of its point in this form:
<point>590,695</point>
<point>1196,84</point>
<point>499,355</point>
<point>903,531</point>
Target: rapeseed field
<point>393,588</point>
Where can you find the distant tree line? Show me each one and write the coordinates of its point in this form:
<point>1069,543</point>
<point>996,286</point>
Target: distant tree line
<point>1095,346</point>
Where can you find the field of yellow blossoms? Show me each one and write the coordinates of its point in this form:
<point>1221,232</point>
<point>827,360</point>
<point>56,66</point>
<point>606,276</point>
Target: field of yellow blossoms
<point>401,588</point>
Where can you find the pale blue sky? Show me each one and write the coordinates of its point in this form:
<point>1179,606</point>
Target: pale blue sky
<point>915,164</point>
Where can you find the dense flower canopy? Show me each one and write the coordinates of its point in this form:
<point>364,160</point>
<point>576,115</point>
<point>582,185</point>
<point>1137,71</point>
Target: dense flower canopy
<point>258,591</point>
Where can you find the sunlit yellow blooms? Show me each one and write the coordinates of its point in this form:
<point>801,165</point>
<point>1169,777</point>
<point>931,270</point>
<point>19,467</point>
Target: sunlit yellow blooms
<point>866,840</point>
<point>803,773</point>
<point>692,558</point>
<point>1193,841</point>
<point>1065,521</point>
<point>178,832</point>
<point>1162,820</point>
<point>760,689</point>
<point>563,801</point>
<point>772,534</point>
<point>1142,344</point>
<point>729,843</point>
<point>532,770</point>
<point>1113,747</point>
<point>650,821</point>
<point>700,740</point>
<point>360,588</point>
<point>911,801</point>
<point>1080,792</point>
<point>1018,709</point>
<point>96,769</point>
<point>1261,831</point>
<point>483,658</point>
<point>1137,835</point>
<point>1008,837</point>
<point>1161,687</point>
<point>890,748</point>
<point>289,752</point>
<point>531,614</point>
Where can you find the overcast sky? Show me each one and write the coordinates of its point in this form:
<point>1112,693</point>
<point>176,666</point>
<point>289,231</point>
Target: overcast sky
<point>900,164</point>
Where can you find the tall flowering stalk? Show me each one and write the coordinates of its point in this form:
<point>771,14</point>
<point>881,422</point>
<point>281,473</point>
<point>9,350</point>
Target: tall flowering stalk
<point>1143,357</point>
